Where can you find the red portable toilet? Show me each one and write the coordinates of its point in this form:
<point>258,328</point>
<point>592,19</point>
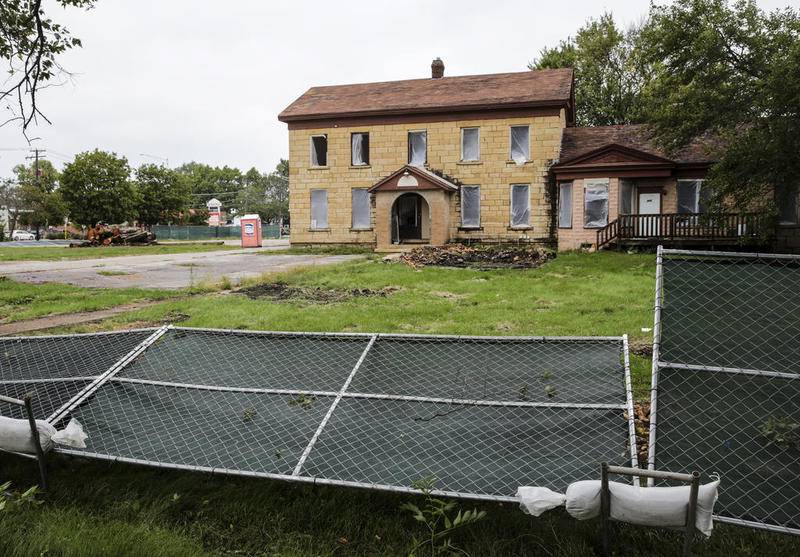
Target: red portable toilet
<point>251,231</point>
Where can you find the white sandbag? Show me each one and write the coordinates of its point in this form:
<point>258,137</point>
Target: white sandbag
<point>646,506</point>
<point>15,435</point>
<point>71,436</point>
<point>536,500</point>
<point>583,499</point>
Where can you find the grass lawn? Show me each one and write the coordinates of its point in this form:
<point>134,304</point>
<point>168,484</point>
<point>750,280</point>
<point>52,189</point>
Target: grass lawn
<point>20,301</point>
<point>99,508</point>
<point>56,252</point>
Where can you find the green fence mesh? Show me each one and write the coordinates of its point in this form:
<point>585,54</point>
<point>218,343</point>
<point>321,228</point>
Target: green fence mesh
<point>166,232</point>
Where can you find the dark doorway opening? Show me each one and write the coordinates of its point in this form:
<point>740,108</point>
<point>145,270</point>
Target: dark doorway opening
<point>408,213</point>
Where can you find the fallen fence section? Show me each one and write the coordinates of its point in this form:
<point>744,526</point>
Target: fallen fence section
<point>726,380</point>
<point>483,415</point>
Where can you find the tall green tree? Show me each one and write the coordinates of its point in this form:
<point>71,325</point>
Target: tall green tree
<point>31,43</point>
<point>732,72</point>
<point>277,192</point>
<point>96,187</point>
<point>39,195</point>
<point>609,75</point>
<point>209,182</point>
<point>163,194</point>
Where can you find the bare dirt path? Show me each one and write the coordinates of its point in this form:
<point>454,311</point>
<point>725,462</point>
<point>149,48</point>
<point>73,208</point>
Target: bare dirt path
<point>51,321</point>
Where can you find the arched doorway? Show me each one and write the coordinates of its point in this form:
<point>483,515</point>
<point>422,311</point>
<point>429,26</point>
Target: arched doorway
<point>411,219</point>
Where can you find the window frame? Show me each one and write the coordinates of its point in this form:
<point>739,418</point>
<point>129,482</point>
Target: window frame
<point>511,142</point>
<point>597,182</point>
<point>353,213</point>
<point>366,158</point>
<point>561,186</point>
<point>478,129</point>
<point>476,226</point>
<point>527,224</point>
<point>408,145</point>
<point>699,199</point>
<point>312,225</point>
<point>312,151</point>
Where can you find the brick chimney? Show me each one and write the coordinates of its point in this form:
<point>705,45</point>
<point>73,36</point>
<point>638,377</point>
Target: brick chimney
<point>437,68</point>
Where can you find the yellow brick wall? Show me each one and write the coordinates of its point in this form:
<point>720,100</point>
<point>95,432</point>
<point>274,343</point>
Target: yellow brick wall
<point>389,151</point>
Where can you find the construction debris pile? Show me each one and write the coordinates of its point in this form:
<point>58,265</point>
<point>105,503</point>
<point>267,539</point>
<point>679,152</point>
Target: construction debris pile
<point>480,257</point>
<point>104,235</point>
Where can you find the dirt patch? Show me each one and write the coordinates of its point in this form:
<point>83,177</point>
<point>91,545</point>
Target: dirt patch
<point>448,295</point>
<point>641,421</point>
<point>641,347</point>
<point>282,292</point>
<point>481,257</point>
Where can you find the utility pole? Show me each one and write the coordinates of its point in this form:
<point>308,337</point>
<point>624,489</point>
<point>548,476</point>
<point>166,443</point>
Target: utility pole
<point>37,153</point>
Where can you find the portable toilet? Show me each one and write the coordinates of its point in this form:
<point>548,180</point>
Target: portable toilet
<point>251,231</point>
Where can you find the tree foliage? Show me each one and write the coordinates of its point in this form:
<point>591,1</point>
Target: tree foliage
<point>729,71</point>
<point>39,195</point>
<point>96,187</point>
<point>30,43</point>
<point>163,194</point>
<point>608,74</point>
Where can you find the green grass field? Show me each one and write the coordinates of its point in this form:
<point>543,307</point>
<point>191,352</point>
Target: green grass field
<point>56,252</point>
<point>99,508</point>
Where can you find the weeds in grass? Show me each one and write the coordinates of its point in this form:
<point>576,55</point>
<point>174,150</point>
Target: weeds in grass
<point>249,414</point>
<point>304,401</point>
<point>11,501</point>
<point>112,273</point>
<point>440,523</point>
<point>781,432</point>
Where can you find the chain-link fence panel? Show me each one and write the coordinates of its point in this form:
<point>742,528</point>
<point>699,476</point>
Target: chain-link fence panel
<point>726,380</point>
<point>483,415</point>
<point>52,369</point>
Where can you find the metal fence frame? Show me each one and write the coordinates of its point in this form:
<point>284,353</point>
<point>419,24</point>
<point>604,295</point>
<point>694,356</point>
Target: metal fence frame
<point>658,364</point>
<point>110,375</point>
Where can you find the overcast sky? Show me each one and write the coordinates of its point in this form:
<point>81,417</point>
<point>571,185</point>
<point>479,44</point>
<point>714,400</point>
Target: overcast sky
<point>202,80</point>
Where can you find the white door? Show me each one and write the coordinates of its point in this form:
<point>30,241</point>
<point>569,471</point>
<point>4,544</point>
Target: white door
<point>649,204</point>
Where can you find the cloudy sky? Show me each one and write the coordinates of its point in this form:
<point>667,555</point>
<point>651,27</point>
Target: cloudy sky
<point>204,80</point>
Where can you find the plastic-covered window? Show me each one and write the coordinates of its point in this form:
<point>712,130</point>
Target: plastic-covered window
<point>625,197</point>
<point>361,209</point>
<point>319,208</point>
<point>319,150</point>
<point>595,204</point>
<point>417,148</point>
<point>470,206</point>
<point>692,197</point>
<point>520,144</point>
<point>565,205</point>
<point>470,144</point>
<point>359,143</point>
<point>520,205</point>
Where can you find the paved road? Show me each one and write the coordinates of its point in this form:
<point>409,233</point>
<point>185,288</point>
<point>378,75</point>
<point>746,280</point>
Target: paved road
<point>171,271</point>
<point>35,244</point>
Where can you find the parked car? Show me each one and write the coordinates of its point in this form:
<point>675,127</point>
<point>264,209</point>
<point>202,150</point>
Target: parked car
<point>19,235</point>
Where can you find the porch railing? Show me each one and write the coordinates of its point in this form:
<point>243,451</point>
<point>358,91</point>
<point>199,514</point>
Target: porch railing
<point>683,226</point>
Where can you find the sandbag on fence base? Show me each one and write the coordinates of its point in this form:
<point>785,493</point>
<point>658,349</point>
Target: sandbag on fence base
<point>645,506</point>
<point>536,500</point>
<point>15,435</point>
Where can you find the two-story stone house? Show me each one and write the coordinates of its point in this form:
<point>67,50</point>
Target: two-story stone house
<point>493,158</point>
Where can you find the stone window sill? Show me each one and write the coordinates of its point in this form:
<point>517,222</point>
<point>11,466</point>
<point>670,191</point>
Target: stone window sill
<point>508,162</point>
<point>361,230</point>
<point>319,229</point>
<point>319,168</point>
<point>469,163</point>
<point>470,228</point>
<point>360,166</point>
<point>520,228</point>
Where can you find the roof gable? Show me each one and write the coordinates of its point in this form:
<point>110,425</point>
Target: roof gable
<point>413,178</point>
<point>614,154</point>
<point>416,96</point>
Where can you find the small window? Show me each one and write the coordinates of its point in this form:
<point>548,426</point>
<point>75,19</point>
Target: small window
<point>361,208</point>
<point>520,144</point>
<point>520,206</point>
<point>319,209</point>
<point>319,150</point>
<point>692,198</point>
<point>359,149</point>
<point>786,198</point>
<point>565,205</point>
<point>470,206</point>
<point>595,204</point>
<point>626,201</point>
<point>417,148</point>
<point>470,144</point>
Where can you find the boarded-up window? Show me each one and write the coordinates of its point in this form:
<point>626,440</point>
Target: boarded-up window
<point>520,144</point>
<point>565,205</point>
<point>319,209</point>
<point>595,204</point>
<point>359,144</point>
<point>319,150</point>
<point>520,205</point>
<point>692,197</point>
<point>417,148</point>
<point>470,144</point>
<point>470,206</point>
<point>361,208</point>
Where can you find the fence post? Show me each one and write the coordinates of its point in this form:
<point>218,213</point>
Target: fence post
<point>605,507</point>
<point>36,441</point>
